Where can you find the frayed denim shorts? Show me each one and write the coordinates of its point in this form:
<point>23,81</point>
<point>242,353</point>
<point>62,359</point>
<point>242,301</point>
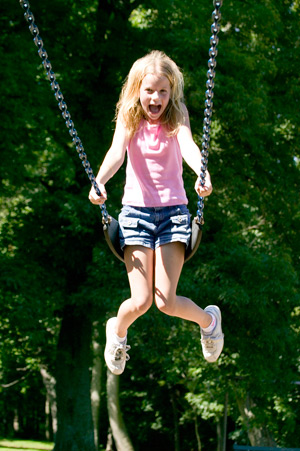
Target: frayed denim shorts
<point>153,227</point>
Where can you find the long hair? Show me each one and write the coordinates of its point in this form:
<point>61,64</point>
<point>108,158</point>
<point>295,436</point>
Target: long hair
<point>129,108</point>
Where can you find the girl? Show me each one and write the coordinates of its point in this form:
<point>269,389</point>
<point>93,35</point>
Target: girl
<point>152,125</point>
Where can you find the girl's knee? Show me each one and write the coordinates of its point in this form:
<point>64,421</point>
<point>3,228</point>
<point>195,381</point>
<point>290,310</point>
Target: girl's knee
<point>165,305</point>
<point>142,303</point>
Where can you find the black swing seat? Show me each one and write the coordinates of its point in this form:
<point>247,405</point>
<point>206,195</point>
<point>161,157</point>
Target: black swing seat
<point>111,234</point>
<point>195,240</point>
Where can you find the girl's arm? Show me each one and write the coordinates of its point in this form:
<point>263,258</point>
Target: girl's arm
<point>192,155</point>
<point>112,162</point>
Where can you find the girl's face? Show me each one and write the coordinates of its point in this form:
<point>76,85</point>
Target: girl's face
<point>155,94</point>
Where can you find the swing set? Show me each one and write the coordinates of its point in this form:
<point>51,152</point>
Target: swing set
<point>110,224</point>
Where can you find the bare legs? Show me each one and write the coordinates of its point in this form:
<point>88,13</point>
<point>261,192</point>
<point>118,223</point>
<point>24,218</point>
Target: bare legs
<point>169,260</point>
<point>139,265</point>
<point>156,272</point>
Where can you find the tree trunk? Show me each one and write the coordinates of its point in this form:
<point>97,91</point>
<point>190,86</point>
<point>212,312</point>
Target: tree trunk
<point>51,406</point>
<point>96,383</point>
<point>120,435</point>
<point>199,445</point>
<point>16,424</point>
<point>222,428</point>
<point>75,425</point>
<point>48,429</point>
<point>175,421</point>
<point>109,442</point>
<point>258,436</point>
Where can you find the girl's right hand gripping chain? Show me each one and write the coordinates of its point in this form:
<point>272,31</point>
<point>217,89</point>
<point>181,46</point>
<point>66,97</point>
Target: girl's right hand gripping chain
<point>94,198</point>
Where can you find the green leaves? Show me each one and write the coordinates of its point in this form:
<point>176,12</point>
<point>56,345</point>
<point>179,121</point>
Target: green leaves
<point>52,252</point>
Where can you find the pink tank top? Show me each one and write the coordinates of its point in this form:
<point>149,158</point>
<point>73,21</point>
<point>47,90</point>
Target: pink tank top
<point>154,169</point>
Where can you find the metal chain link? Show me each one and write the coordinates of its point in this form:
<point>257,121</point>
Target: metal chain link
<point>214,40</point>
<point>61,103</point>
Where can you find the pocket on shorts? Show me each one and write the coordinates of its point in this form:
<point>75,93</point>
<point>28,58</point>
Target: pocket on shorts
<point>130,223</point>
<point>129,229</point>
<point>180,219</point>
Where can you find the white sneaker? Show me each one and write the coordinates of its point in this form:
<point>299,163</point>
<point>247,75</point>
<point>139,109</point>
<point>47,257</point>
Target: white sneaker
<point>212,343</point>
<point>115,353</point>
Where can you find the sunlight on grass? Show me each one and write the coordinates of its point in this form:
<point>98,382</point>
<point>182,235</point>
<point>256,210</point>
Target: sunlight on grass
<point>21,445</point>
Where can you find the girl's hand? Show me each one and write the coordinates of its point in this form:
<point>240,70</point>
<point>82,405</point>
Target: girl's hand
<point>205,190</point>
<point>94,198</point>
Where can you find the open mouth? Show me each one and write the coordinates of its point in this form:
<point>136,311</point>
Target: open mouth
<point>154,109</point>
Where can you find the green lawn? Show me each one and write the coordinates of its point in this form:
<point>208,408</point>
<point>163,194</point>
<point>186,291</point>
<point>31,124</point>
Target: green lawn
<point>21,445</point>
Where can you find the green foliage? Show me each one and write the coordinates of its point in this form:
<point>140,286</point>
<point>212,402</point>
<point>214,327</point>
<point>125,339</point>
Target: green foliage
<point>52,251</point>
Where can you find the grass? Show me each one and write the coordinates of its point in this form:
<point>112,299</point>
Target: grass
<point>24,445</point>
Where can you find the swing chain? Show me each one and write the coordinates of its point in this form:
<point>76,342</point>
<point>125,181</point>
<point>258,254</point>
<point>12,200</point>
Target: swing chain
<point>213,52</point>
<point>29,17</point>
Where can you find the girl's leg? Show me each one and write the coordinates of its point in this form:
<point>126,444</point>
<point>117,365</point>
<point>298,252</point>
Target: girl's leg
<point>139,265</point>
<point>169,260</point>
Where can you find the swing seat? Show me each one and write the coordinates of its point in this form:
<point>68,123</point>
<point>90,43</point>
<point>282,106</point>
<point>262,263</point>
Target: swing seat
<point>111,234</point>
<point>195,240</point>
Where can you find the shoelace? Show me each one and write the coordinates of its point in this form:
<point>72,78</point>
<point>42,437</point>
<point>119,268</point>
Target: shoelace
<point>209,342</point>
<point>119,352</point>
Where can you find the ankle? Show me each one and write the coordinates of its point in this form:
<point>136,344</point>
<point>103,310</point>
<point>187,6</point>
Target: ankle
<point>208,329</point>
<point>120,336</point>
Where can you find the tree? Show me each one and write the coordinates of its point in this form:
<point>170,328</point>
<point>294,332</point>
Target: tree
<point>58,278</point>
<point>73,399</point>
<point>122,440</point>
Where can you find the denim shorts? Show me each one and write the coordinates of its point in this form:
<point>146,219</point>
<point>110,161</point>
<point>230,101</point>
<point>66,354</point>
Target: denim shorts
<point>153,227</point>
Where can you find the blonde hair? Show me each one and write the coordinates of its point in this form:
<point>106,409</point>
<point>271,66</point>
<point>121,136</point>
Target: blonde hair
<point>129,109</point>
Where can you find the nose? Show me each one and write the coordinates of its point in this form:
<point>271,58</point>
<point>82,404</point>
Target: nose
<point>155,95</point>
